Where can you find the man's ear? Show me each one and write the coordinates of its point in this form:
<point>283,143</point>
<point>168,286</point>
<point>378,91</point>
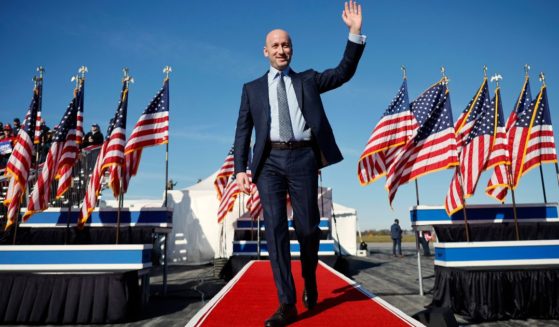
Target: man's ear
<point>265,52</point>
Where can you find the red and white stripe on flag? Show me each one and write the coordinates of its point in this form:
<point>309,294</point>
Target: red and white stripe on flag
<point>225,172</point>
<point>394,129</point>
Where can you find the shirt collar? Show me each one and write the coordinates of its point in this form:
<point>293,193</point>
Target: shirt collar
<point>274,72</point>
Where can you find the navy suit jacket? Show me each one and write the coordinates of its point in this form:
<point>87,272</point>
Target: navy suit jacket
<point>255,112</point>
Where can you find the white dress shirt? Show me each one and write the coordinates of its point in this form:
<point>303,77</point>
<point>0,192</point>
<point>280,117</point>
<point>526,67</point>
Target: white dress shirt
<point>301,132</point>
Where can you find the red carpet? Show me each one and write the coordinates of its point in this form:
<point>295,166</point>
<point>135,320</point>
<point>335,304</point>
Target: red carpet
<point>250,298</point>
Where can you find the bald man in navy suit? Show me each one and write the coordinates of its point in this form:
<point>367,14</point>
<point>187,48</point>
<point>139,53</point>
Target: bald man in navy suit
<point>293,140</point>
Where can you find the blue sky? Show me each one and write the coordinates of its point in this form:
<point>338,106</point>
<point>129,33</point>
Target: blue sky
<point>214,47</point>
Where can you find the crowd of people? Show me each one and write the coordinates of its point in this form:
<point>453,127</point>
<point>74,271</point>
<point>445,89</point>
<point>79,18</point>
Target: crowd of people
<point>9,133</point>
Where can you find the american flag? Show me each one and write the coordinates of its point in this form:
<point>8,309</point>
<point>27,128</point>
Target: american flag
<point>110,156</point>
<point>467,118</point>
<point>151,129</point>
<point>79,123</point>
<point>533,130</point>
<point>39,198</point>
<point>125,172</point>
<point>19,163</point>
<point>393,131</point>
<point>70,150</point>
<point>116,138</point>
<point>153,126</point>
<point>227,201</point>
<point>474,148</point>
<point>499,159</point>
<point>227,169</point>
<point>254,205</point>
<point>433,147</point>
<point>38,131</point>
<point>500,180</point>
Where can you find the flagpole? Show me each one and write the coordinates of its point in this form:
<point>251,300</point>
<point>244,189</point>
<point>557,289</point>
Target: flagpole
<point>69,191</point>
<point>36,79</point>
<point>511,185</point>
<point>167,70</point>
<point>416,192</point>
<point>405,77</point>
<point>466,225</point>
<point>516,229</point>
<point>508,168</point>
<point>41,70</point>
<point>543,184</point>
<point>126,79</point>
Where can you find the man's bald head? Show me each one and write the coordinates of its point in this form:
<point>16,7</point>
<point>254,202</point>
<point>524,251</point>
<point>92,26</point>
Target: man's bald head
<point>278,49</point>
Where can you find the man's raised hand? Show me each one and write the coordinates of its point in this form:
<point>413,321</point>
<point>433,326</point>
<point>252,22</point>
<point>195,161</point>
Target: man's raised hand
<point>352,17</point>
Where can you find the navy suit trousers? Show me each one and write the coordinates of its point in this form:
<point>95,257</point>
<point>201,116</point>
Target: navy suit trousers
<point>293,171</point>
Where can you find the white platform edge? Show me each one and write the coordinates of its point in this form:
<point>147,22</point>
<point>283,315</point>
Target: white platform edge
<point>73,267</point>
<point>80,247</point>
<point>450,245</point>
<point>519,263</point>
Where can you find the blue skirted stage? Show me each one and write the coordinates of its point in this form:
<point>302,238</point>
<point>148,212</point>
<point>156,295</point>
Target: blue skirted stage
<point>494,276</point>
<point>56,274</point>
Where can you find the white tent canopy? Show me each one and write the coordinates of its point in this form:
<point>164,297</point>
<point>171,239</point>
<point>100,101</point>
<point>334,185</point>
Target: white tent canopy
<point>196,235</point>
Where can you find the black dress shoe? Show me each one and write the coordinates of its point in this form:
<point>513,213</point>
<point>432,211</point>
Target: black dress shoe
<point>286,314</point>
<point>310,298</point>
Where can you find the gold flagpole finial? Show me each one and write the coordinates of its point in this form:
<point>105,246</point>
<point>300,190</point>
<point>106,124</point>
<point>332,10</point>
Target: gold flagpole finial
<point>127,78</point>
<point>76,78</point>
<point>41,71</point>
<point>485,71</point>
<point>496,78</point>
<point>167,70</point>
<point>82,70</point>
<point>403,68</point>
<point>445,78</point>
<point>542,78</point>
<point>526,70</point>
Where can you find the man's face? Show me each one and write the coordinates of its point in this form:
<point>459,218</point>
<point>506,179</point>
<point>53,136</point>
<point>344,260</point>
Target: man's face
<point>278,49</point>
<point>94,129</point>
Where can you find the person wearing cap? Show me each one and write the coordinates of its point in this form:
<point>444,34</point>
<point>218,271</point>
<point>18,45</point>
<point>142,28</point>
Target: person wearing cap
<point>93,137</point>
<point>8,132</point>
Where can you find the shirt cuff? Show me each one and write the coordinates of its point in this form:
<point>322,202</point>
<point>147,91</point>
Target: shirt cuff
<point>359,39</point>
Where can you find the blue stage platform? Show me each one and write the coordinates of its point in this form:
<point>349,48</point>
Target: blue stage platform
<point>488,255</point>
<point>67,258</point>
<point>479,214</point>
<point>144,217</point>
<point>326,247</point>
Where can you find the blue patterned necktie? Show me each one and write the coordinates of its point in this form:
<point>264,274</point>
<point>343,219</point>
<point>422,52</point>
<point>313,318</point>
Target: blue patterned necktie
<point>285,128</point>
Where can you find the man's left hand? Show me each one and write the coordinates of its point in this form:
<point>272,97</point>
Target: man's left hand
<point>352,17</point>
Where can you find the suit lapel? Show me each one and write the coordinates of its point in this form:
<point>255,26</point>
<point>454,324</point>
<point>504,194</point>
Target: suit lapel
<point>262,86</point>
<point>298,87</point>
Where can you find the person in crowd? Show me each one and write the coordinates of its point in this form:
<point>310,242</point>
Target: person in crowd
<point>44,145</point>
<point>93,137</point>
<point>396,235</point>
<point>293,140</point>
<point>424,237</point>
<point>6,145</point>
<point>17,126</point>
<point>363,246</point>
